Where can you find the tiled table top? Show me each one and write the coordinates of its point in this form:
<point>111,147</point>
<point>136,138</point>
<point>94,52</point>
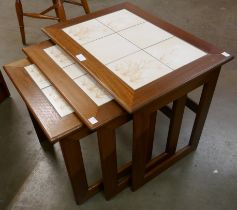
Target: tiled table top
<point>137,51</point>
<point>92,88</point>
<point>54,97</point>
<point>132,53</point>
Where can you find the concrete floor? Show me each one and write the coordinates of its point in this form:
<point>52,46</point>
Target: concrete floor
<point>34,177</point>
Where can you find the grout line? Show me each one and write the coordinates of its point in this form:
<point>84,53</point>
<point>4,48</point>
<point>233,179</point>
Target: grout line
<point>121,57</point>
<point>79,76</point>
<point>158,42</point>
<point>93,39</point>
<point>114,32</point>
<point>117,32</point>
<point>65,66</point>
<point>141,49</point>
<point>124,28</point>
<point>46,87</point>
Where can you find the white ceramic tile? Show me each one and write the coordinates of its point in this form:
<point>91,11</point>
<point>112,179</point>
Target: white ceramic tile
<point>120,20</point>
<point>145,34</point>
<point>74,71</point>
<point>37,76</point>
<point>59,56</point>
<point>175,53</point>
<point>110,48</point>
<point>58,102</point>
<point>87,31</point>
<point>93,89</point>
<point>138,69</point>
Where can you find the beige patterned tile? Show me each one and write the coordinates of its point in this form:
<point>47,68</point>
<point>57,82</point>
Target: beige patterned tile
<point>145,34</point>
<point>59,56</point>
<point>138,69</point>
<point>74,71</point>
<point>87,31</point>
<point>93,89</point>
<point>120,20</point>
<point>110,48</point>
<point>175,52</point>
<point>37,76</point>
<point>58,102</point>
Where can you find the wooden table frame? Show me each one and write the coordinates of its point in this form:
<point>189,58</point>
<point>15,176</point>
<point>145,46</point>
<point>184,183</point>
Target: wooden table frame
<point>68,131</point>
<point>4,92</point>
<point>144,102</point>
<point>144,169</point>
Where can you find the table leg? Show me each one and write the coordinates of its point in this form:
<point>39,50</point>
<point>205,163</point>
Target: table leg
<point>151,135</point>
<point>114,181</point>
<point>141,133</point>
<point>4,92</point>
<point>141,170</point>
<point>72,154</point>
<point>203,108</point>
<point>40,133</point>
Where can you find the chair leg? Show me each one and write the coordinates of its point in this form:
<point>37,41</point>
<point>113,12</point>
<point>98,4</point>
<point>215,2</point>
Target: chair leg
<point>85,6</point>
<point>59,10</point>
<point>19,12</point>
<point>56,11</point>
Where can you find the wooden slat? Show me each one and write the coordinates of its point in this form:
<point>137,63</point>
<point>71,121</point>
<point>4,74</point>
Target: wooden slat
<point>175,124</point>
<point>39,16</point>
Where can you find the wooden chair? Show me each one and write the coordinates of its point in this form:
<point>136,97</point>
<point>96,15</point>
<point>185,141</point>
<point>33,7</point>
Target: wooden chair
<point>57,6</point>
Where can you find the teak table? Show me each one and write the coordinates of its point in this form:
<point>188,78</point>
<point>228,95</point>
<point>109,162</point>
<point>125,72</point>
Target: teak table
<point>110,66</point>
<point>145,63</point>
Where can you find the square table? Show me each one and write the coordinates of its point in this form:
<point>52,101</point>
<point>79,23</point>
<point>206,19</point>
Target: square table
<point>145,63</point>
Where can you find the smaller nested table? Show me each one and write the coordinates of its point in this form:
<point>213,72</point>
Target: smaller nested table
<point>55,121</point>
<point>4,93</point>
